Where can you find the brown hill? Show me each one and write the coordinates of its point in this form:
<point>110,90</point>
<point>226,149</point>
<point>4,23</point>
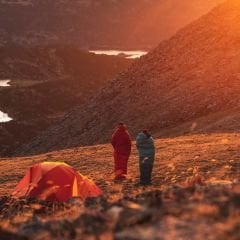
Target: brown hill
<point>97,24</point>
<point>166,210</point>
<point>46,83</point>
<point>192,78</point>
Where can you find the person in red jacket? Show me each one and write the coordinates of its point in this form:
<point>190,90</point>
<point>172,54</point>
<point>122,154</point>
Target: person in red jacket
<point>121,143</point>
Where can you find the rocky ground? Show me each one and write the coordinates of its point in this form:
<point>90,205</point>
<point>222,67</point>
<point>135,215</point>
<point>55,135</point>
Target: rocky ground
<point>195,194</point>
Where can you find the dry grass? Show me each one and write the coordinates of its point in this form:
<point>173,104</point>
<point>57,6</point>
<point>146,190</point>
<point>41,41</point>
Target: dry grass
<point>195,193</point>
<point>215,156</point>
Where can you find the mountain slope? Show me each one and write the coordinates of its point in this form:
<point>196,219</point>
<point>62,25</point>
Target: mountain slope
<point>97,24</point>
<point>46,83</point>
<point>193,75</point>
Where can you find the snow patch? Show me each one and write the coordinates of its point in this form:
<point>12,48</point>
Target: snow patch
<point>5,83</point>
<point>4,117</point>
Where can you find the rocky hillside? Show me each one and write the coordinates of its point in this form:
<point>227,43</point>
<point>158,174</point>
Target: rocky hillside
<point>192,79</point>
<point>46,83</point>
<point>55,62</point>
<point>97,24</point>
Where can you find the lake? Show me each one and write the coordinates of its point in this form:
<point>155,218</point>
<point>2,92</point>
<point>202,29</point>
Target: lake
<point>5,83</point>
<point>4,117</point>
<point>128,54</point>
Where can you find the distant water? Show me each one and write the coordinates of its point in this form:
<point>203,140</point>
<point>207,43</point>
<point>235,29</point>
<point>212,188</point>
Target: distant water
<point>5,83</point>
<point>4,117</point>
<point>128,54</point>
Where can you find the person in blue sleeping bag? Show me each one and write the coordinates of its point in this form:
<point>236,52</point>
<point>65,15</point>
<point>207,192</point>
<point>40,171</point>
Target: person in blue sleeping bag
<point>146,151</point>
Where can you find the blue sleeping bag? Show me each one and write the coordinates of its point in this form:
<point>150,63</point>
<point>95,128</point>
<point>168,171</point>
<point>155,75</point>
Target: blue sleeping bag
<point>146,151</point>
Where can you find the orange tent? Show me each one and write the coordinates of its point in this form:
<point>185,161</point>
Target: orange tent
<point>55,181</point>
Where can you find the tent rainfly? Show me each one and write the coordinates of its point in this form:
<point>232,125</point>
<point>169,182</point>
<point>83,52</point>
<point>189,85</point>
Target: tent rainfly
<point>55,181</point>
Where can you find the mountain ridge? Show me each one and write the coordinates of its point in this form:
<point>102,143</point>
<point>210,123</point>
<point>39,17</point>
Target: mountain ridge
<point>91,24</point>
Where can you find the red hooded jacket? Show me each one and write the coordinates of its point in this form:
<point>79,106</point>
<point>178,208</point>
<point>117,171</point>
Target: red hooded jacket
<point>121,141</point>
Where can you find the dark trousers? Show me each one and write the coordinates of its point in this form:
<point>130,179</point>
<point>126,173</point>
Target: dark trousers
<point>146,167</point>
